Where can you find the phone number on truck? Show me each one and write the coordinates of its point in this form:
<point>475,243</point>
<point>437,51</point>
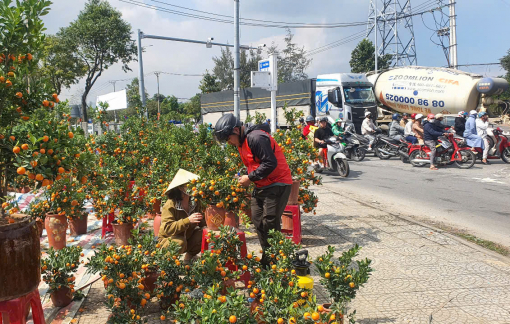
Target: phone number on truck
<point>412,101</point>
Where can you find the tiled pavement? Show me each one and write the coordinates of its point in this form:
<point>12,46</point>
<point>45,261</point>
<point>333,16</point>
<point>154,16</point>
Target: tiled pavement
<point>420,275</point>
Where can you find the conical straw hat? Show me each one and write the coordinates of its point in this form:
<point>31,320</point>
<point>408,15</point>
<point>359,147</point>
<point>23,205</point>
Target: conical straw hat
<point>181,177</point>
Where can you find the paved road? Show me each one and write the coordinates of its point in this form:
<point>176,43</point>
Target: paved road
<point>476,199</point>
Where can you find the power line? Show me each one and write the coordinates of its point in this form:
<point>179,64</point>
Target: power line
<point>479,64</point>
<point>337,43</point>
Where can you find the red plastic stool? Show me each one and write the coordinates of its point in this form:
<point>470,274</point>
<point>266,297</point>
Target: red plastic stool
<point>107,224</point>
<point>15,308</point>
<point>295,232</point>
<point>244,252</point>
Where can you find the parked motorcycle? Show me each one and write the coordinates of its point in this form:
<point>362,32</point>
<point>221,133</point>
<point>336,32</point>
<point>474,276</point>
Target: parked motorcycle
<point>334,159</point>
<point>355,144</point>
<point>386,147</point>
<point>500,145</point>
<point>450,149</point>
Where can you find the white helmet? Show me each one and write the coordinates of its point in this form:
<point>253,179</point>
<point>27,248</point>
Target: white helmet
<point>367,113</point>
<point>418,116</point>
<point>439,116</point>
<point>472,112</point>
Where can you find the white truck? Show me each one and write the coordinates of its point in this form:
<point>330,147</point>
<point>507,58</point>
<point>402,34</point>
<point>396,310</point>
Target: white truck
<point>348,95</point>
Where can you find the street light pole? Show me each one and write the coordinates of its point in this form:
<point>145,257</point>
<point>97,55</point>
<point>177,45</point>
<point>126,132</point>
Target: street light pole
<point>157,77</point>
<point>141,81</point>
<point>376,30</point>
<point>115,111</point>
<point>237,88</point>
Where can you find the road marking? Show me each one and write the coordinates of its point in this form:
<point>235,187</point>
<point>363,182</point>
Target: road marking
<point>488,180</point>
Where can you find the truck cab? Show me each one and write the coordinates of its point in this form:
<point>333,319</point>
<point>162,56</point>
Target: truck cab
<point>346,96</point>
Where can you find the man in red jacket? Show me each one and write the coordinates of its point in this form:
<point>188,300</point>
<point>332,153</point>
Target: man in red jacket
<point>267,169</point>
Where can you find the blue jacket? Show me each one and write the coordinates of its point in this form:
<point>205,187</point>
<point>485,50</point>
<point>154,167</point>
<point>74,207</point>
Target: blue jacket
<point>471,135</point>
<point>431,131</point>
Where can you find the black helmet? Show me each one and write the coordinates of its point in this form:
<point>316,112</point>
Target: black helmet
<point>405,115</point>
<point>225,127</point>
<point>324,119</point>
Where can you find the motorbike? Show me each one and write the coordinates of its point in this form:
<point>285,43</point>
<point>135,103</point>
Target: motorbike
<point>355,144</point>
<point>334,158</point>
<point>499,145</point>
<point>386,147</point>
<point>450,149</point>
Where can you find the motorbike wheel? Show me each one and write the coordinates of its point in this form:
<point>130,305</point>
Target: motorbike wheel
<point>468,160</point>
<point>505,155</point>
<point>418,155</point>
<point>404,160</point>
<point>380,154</point>
<point>317,169</point>
<point>358,154</point>
<point>342,167</point>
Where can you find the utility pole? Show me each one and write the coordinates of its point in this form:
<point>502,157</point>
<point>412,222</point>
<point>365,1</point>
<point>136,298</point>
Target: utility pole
<point>157,77</point>
<point>115,111</point>
<point>141,83</point>
<point>376,30</point>
<point>453,35</point>
<point>237,88</point>
<point>274,61</point>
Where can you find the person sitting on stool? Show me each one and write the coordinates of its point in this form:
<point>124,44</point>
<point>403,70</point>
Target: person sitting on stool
<point>181,219</point>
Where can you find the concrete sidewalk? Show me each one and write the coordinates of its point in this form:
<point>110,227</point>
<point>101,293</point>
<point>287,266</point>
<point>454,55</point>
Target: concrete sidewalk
<point>420,275</point>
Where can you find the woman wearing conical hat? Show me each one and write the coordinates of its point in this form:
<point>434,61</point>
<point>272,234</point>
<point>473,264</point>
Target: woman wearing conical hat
<point>181,220</point>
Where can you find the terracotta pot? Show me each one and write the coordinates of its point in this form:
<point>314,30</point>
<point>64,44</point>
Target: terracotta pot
<point>20,258</point>
<point>157,224</point>
<point>214,217</point>
<point>149,281</point>
<point>122,233</point>
<point>227,284</point>
<point>40,225</point>
<point>156,209</point>
<point>294,193</point>
<point>61,297</point>
<point>56,227</point>
<point>287,221</point>
<point>166,302</point>
<point>258,314</point>
<point>231,220</point>
<point>78,226</point>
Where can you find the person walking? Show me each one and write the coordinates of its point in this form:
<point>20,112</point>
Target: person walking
<point>408,131</point>
<point>460,123</point>
<point>368,129</point>
<point>482,123</point>
<point>471,134</point>
<point>430,134</point>
<point>267,169</point>
<point>181,219</point>
<point>418,128</point>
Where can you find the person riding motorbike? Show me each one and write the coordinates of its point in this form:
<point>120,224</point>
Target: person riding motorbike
<point>404,120</point>
<point>408,130</point>
<point>460,123</point>
<point>439,121</point>
<point>396,131</point>
<point>368,129</point>
<point>320,136</point>
<point>337,128</point>
<point>431,132</point>
<point>418,128</point>
<point>482,123</point>
<point>309,128</point>
<point>470,133</point>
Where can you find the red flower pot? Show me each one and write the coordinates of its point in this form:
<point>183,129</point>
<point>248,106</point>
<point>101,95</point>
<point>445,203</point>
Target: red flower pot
<point>157,224</point>
<point>78,226</point>
<point>122,233</point>
<point>214,217</point>
<point>56,227</point>
<point>61,297</point>
<point>294,193</point>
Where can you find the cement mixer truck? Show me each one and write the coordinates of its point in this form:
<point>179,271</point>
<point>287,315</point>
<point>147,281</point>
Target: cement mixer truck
<point>425,90</point>
<point>347,96</point>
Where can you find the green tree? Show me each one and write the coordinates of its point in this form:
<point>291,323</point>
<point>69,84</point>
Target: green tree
<point>101,38</point>
<point>292,61</point>
<point>209,83</point>
<point>192,107</point>
<point>60,64</point>
<point>170,104</point>
<point>224,69</point>
<point>363,58</point>
<point>505,63</point>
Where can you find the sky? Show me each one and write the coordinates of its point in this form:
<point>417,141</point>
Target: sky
<point>482,33</point>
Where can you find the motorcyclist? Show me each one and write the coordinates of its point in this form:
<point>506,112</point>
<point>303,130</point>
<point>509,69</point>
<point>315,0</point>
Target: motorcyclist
<point>320,136</point>
<point>404,120</point>
<point>368,129</point>
<point>337,128</point>
<point>431,131</point>
<point>470,133</point>
<point>460,123</point>
<point>482,123</point>
<point>439,121</point>
<point>396,131</point>
<point>418,128</point>
<point>310,127</point>
<point>408,130</point>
